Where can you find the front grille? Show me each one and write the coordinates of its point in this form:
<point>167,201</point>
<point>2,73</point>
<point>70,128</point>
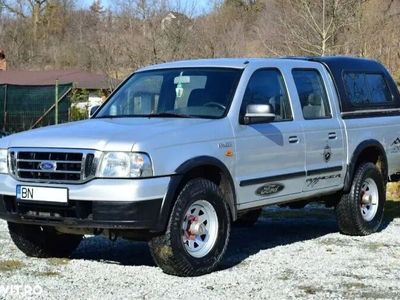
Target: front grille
<point>52,165</point>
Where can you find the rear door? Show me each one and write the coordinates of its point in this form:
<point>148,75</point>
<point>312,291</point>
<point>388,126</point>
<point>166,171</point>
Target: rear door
<point>325,155</point>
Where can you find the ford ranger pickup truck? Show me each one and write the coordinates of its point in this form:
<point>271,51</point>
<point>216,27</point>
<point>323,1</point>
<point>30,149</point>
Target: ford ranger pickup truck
<point>182,150</point>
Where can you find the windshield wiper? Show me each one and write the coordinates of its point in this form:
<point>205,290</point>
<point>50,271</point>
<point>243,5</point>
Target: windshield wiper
<point>168,115</point>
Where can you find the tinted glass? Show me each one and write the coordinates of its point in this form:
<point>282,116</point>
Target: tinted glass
<point>367,89</point>
<point>311,90</point>
<point>200,92</point>
<point>268,87</point>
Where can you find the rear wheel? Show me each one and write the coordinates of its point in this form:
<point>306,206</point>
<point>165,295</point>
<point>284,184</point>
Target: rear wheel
<point>41,241</point>
<point>198,231</point>
<point>360,212</point>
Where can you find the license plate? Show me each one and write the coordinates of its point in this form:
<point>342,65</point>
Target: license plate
<point>42,194</point>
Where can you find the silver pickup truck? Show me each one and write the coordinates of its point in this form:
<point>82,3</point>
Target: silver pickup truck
<point>182,150</point>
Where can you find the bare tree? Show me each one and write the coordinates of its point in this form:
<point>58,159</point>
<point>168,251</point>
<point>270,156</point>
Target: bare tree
<point>311,27</point>
<point>33,9</point>
<point>40,34</point>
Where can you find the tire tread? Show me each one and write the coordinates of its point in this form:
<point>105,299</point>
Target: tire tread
<point>171,259</point>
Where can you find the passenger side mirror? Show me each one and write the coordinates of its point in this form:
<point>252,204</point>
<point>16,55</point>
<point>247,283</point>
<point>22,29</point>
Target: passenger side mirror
<point>93,110</point>
<point>258,113</point>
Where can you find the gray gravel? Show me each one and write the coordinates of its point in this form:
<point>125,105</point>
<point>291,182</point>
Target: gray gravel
<point>288,254</point>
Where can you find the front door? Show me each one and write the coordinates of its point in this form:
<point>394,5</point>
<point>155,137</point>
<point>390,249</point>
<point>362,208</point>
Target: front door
<point>270,156</point>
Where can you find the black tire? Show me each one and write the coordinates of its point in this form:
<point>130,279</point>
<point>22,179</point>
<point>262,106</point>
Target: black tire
<point>168,250</point>
<point>348,210</point>
<point>44,242</point>
<point>249,218</point>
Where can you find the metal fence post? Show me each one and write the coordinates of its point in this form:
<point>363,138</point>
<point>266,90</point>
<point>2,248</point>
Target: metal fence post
<point>56,103</point>
<point>5,109</point>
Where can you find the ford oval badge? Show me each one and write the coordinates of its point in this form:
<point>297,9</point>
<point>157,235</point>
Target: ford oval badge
<point>48,166</point>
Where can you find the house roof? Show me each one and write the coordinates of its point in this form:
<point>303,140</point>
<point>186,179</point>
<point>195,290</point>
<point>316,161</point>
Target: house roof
<point>81,79</point>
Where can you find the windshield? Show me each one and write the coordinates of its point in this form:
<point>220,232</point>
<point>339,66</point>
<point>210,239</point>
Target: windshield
<point>185,93</point>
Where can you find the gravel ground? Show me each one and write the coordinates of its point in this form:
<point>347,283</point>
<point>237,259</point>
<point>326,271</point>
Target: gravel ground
<point>288,254</point>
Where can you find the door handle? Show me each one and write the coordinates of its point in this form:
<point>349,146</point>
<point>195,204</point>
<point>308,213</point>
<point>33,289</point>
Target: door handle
<point>293,139</point>
<point>332,135</point>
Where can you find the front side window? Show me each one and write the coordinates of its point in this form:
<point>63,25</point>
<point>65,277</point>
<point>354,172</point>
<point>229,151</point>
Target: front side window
<point>311,90</point>
<point>267,86</point>
<point>186,92</point>
<point>368,90</point>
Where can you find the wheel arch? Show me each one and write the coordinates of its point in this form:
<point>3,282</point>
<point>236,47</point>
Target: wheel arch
<point>367,151</point>
<point>207,167</point>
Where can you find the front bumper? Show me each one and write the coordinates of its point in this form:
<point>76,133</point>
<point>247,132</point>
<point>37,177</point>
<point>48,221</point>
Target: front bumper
<point>85,214</point>
<point>100,203</point>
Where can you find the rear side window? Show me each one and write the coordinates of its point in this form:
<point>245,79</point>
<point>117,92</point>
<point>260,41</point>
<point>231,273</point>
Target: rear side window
<point>370,90</point>
<point>311,90</point>
<point>267,86</point>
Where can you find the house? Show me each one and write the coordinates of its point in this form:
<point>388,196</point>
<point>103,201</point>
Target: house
<point>174,18</point>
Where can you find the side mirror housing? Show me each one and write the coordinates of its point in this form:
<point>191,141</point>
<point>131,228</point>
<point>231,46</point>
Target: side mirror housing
<point>258,113</point>
<point>93,110</point>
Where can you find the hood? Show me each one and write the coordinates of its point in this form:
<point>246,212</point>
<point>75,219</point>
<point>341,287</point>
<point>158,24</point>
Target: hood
<point>119,134</point>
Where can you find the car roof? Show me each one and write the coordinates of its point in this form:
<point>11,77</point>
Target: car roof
<point>332,62</point>
<point>235,63</point>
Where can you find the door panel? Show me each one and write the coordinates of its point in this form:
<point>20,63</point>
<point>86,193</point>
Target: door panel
<point>270,161</point>
<point>325,151</point>
<point>325,154</point>
<point>270,156</point>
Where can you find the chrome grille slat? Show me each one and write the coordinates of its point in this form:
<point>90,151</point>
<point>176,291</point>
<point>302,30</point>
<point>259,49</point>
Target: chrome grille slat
<point>58,161</point>
<point>70,165</point>
<point>44,171</point>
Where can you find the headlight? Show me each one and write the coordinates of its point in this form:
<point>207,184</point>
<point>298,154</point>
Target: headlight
<point>125,165</point>
<point>3,161</point>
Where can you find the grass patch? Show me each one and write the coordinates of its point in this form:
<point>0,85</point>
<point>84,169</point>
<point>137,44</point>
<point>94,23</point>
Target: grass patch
<point>334,242</point>
<point>393,191</point>
<point>47,274</point>
<point>10,265</point>
<point>354,285</point>
<point>373,247</point>
<point>309,290</point>
<point>58,261</point>
<point>287,274</point>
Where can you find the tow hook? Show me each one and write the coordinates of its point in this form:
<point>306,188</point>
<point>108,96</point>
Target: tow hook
<point>113,236</point>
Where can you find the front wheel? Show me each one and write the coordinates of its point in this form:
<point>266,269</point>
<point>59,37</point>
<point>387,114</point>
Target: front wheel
<point>360,212</point>
<point>198,231</point>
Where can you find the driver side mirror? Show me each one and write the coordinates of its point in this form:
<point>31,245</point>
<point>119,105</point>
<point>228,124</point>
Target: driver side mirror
<point>258,113</point>
<point>93,110</point>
